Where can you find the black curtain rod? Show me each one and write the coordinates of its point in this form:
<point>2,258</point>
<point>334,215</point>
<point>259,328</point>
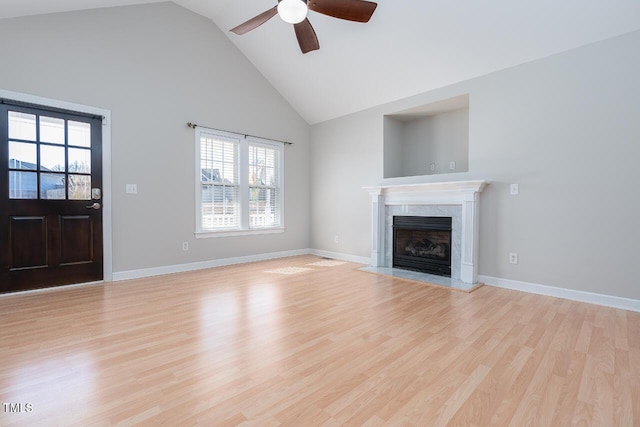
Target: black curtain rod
<point>193,126</point>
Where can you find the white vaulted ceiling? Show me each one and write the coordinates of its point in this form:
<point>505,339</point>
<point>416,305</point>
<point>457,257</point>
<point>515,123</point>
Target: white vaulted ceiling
<point>408,47</point>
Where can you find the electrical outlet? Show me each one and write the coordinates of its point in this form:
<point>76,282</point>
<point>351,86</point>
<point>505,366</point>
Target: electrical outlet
<point>185,246</point>
<point>513,257</point>
<point>432,166</point>
<point>336,239</point>
<point>514,189</point>
<point>452,166</point>
<point>131,188</point>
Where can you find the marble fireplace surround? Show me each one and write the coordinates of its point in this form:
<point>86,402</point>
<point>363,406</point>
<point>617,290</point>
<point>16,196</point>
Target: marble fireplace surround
<point>458,200</point>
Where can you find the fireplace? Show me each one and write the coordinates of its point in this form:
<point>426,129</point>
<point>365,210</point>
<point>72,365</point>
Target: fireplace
<point>459,200</point>
<point>422,243</point>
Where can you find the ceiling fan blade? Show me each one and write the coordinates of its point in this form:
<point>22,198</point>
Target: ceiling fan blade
<point>351,10</point>
<point>306,35</point>
<point>255,22</point>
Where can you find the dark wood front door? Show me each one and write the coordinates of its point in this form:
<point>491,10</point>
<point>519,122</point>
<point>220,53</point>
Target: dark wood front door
<point>50,197</point>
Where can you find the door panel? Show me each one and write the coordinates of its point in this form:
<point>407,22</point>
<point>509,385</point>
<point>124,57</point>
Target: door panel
<point>28,237</point>
<point>76,239</point>
<point>50,230</point>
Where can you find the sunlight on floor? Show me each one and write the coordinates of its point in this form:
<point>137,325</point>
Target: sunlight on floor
<point>289,270</point>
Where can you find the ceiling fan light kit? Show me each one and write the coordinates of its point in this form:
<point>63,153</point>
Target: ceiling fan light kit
<point>295,12</point>
<point>292,11</point>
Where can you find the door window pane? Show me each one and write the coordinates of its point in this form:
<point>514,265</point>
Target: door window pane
<point>23,185</point>
<point>52,158</point>
<point>52,186</point>
<point>51,130</point>
<point>79,134</point>
<point>22,155</point>
<point>22,126</point>
<point>79,160</point>
<point>79,187</point>
<point>60,152</point>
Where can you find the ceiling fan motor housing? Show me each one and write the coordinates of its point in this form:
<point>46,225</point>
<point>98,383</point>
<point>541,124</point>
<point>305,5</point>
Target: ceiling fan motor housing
<point>292,11</point>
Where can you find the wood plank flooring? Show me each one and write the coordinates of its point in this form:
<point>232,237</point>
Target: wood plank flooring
<point>304,342</point>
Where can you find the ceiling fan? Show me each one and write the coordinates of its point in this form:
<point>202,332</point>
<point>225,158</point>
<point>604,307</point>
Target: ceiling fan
<point>295,12</point>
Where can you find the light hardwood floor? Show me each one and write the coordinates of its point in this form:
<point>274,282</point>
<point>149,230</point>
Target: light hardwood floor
<point>324,345</point>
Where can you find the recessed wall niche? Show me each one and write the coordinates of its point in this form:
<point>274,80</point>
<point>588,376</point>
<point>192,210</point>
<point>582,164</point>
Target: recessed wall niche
<point>427,140</point>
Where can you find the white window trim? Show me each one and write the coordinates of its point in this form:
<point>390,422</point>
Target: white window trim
<point>243,173</point>
<point>231,233</point>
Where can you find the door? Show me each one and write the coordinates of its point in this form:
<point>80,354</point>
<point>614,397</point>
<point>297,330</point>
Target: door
<point>50,197</point>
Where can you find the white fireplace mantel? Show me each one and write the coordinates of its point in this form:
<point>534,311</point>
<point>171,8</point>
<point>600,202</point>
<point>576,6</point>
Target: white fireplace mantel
<point>463,193</point>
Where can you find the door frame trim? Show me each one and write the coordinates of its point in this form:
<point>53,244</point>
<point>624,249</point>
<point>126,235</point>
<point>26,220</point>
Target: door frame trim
<point>107,239</point>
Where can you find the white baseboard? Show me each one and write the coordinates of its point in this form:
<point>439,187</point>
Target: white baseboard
<point>341,257</point>
<point>571,294</point>
<point>180,268</point>
<point>50,289</point>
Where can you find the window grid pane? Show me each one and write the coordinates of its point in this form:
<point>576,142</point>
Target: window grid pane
<point>264,191</point>
<point>79,134</point>
<point>22,126</point>
<point>22,155</point>
<point>23,185</point>
<point>52,158</point>
<point>79,160</point>
<point>219,208</point>
<point>52,186</point>
<point>79,187</point>
<point>52,130</point>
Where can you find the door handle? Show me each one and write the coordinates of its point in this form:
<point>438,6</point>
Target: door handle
<point>94,206</point>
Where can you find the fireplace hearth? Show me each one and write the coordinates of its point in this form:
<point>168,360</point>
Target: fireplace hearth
<point>422,243</point>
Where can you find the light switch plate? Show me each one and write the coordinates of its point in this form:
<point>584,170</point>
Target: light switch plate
<point>131,188</point>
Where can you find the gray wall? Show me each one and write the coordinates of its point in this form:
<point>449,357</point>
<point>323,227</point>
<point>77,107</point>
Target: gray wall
<point>438,139</point>
<point>157,67</point>
<point>566,128</point>
<point>393,147</point>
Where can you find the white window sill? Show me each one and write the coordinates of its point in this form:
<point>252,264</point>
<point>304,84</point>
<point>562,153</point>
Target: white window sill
<point>228,233</point>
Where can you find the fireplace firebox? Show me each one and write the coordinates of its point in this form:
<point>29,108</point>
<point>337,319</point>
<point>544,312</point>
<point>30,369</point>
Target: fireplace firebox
<point>422,243</point>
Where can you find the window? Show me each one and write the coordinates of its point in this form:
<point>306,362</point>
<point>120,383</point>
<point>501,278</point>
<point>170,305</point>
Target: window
<point>49,157</point>
<point>239,184</point>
